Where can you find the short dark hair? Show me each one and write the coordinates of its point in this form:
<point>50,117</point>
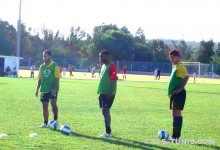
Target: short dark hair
<point>48,52</point>
<point>174,53</point>
<point>105,52</point>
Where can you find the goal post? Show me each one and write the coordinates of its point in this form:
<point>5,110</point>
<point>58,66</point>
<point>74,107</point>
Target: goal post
<point>193,66</point>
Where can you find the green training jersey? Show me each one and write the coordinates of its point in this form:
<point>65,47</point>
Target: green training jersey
<point>105,80</point>
<point>176,78</point>
<point>48,75</point>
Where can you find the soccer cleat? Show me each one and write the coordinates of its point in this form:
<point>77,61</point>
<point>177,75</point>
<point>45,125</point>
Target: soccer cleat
<point>105,135</point>
<point>170,139</point>
<point>43,126</point>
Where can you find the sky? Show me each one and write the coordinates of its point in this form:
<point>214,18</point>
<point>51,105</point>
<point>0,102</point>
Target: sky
<point>191,20</point>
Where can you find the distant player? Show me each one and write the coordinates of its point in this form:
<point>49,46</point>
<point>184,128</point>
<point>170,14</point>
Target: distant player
<point>7,71</point>
<point>70,69</point>
<point>194,76</point>
<point>15,72</point>
<point>155,74</point>
<point>177,92</point>
<point>158,74</point>
<point>107,89</point>
<point>93,72</point>
<point>63,71</point>
<point>32,70</point>
<point>124,72</point>
<point>48,82</point>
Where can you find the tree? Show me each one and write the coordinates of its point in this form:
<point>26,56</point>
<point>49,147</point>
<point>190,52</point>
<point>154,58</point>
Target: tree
<point>142,52</point>
<point>139,36</point>
<point>118,41</point>
<point>159,49</point>
<point>205,51</point>
<point>217,51</point>
<point>7,38</point>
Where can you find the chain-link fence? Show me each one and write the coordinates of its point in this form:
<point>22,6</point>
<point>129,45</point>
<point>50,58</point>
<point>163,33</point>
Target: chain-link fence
<point>132,66</point>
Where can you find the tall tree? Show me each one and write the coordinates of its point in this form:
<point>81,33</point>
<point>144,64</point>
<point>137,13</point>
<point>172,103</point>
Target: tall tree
<point>217,50</point>
<point>7,38</point>
<point>142,52</point>
<point>205,51</point>
<point>118,41</point>
<point>140,36</point>
<point>159,49</point>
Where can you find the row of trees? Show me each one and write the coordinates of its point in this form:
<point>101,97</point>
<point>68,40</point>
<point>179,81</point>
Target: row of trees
<point>119,41</point>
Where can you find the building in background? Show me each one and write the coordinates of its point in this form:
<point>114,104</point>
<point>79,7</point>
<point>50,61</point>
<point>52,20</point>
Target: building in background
<point>9,61</point>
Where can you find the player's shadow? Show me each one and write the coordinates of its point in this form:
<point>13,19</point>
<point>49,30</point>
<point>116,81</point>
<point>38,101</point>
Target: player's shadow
<point>209,146</point>
<point>123,142</point>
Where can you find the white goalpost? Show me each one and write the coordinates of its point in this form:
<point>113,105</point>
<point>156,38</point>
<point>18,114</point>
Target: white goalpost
<point>193,66</point>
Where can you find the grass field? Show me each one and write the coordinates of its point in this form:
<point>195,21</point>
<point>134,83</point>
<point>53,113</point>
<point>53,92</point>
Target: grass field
<point>140,110</point>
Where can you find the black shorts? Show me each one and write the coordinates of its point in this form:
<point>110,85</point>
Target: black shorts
<point>103,102</point>
<point>177,101</point>
<point>45,97</point>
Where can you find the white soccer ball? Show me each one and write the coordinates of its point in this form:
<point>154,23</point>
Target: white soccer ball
<point>163,134</point>
<point>65,129</point>
<point>52,124</point>
<point>3,135</point>
<point>33,135</point>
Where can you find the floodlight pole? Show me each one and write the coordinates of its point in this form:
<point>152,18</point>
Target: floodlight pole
<point>19,33</point>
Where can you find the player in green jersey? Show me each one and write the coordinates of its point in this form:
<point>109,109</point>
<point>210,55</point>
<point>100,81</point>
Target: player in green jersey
<point>177,92</point>
<point>107,89</point>
<point>48,82</point>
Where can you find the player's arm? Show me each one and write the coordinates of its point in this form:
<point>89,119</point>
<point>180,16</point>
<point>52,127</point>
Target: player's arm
<point>39,82</point>
<point>182,73</point>
<point>57,76</point>
<point>114,78</point>
<point>185,80</point>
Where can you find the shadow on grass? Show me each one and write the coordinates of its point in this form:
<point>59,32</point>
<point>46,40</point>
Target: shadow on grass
<point>188,91</point>
<point>122,142</point>
<point>145,87</point>
<point>76,81</point>
<point>209,146</point>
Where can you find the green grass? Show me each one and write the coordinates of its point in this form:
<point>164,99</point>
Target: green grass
<point>140,110</point>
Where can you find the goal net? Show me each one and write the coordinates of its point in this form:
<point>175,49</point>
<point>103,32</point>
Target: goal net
<point>198,67</point>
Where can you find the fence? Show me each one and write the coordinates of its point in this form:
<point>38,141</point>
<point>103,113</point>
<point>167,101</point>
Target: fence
<point>134,66</point>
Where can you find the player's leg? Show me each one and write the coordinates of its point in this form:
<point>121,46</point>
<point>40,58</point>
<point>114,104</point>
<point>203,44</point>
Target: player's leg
<point>53,102</point>
<point>177,123</point>
<point>45,112</point>
<point>106,105</point>
<point>107,118</point>
<point>45,101</point>
<point>178,102</point>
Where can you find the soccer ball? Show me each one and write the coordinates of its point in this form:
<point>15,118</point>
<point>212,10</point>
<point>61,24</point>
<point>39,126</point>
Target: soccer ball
<point>52,124</point>
<point>163,134</point>
<point>33,135</point>
<point>3,135</point>
<point>65,129</point>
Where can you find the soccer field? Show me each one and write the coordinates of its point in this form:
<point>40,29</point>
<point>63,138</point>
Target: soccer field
<point>140,110</point>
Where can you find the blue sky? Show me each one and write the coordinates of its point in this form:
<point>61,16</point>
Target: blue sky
<point>166,19</point>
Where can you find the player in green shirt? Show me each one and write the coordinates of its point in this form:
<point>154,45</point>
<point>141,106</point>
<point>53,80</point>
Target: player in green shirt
<point>177,93</point>
<point>107,89</point>
<point>48,82</point>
